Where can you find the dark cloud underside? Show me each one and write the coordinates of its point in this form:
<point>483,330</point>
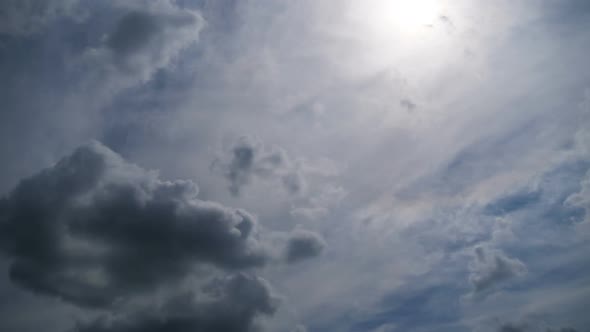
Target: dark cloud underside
<point>94,227</point>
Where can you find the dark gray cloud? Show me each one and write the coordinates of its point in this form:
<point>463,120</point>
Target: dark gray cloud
<point>151,37</point>
<point>513,202</point>
<point>408,104</point>
<point>303,245</point>
<point>94,228</point>
<point>512,327</point>
<point>26,17</point>
<point>134,31</point>
<point>248,159</point>
<point>233,304</point>
<point>145,37</point>
<point>491,268</point>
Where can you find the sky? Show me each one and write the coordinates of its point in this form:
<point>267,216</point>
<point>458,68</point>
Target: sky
<point>294,166</point>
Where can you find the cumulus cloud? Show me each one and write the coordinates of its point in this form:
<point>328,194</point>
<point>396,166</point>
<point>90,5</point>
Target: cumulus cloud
<point>94,228</point>
<point>232,304</point>
<point>249,158</point>
<point>491,268</point>
<point>146,37</point>
<point>302,245</point>
<point>75,57</point>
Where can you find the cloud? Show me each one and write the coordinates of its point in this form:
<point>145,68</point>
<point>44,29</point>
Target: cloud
<point>511,327</point>
<point>133,32</point>
<point>94,228</point>
<point>147,36</point>
<point>26,17</point>
<point>513,202</point>
<point>492,268</point>
<point>303,245</point>
<point>408,104</point>
<point>249,158</point>
<point>319,202</point>
<point>233,305</point>
<point>75,57</point>
<point>69,79</point>
<point>299,328</point>
<point>581,199</point>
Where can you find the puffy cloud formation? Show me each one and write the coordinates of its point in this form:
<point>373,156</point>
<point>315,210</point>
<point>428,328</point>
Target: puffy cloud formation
<point>97,231</point>
<point>233,305</point>
<point>94,228</point>
<point>76,57</point>
<point>303,245</point>
<point>249,158</point>
<point>491,268</point>
<point>146,37</point>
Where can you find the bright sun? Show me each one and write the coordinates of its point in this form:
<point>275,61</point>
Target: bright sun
<point>398,16</point>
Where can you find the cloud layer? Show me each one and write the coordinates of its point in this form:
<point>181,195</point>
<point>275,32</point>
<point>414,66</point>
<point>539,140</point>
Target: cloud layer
<point>440,148</point>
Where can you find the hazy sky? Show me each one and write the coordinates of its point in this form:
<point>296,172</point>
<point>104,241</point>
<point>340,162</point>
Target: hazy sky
<point>260,165</point>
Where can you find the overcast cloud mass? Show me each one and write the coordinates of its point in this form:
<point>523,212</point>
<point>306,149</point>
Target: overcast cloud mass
<point>296,166</point>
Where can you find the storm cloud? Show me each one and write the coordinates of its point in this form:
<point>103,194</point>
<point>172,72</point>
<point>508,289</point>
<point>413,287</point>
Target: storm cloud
<point>93,228</point>
<point>233,304</point>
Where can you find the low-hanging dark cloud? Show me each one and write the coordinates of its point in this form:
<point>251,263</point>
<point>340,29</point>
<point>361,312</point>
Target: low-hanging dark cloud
<point>512,327</point>
<point>302,245</point>
<point>94,228</point>
<point>233,305</point>
<point>248,159</point>
<point>134,31</point>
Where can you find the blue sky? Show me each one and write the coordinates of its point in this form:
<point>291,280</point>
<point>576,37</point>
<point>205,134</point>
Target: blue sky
<point>362,166</point>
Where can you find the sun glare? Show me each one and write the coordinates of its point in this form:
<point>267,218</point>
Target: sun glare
<point>397,31</point>
<point>405,17</point>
